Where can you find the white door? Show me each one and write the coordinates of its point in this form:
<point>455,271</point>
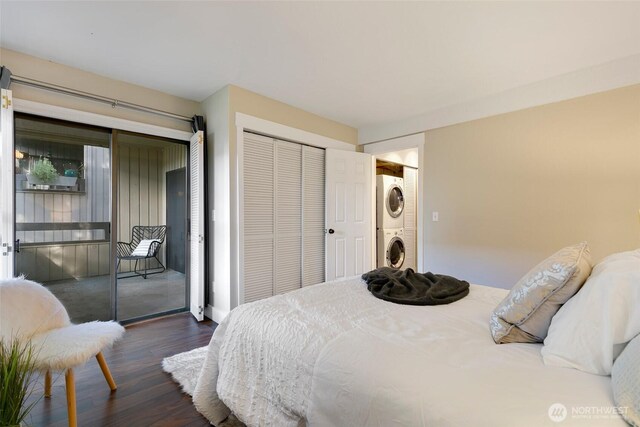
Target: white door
<point>196,232</point>
<point>349,206</point>
<point>7,156</point>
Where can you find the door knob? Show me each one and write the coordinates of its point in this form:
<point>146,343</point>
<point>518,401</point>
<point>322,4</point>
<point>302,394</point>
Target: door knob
<point>330,231</point>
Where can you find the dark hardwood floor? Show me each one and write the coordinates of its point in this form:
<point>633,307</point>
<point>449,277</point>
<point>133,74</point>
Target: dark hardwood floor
<point>146,395</point>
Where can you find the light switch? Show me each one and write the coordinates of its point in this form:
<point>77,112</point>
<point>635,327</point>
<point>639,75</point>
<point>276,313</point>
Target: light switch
<point>434,216</point>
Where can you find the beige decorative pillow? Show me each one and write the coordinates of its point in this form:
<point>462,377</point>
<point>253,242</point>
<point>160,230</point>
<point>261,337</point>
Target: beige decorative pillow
<point>525,314</point>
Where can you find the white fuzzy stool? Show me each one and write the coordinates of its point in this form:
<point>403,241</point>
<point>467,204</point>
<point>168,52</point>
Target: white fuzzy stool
<point>29,311</point>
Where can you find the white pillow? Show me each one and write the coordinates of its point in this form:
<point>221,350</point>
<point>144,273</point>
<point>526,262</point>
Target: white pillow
<point>143,248</point>
<point>592,328</point>
<point>625,382</point>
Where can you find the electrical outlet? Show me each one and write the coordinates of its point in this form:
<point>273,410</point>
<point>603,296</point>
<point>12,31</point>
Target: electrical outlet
<point>435,217</point>
<point>213,215</point>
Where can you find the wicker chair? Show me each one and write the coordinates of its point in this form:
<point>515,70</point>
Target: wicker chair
<point>127,251</point>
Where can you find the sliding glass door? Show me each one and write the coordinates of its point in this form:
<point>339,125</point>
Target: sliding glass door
<point>101,218</point>
<point>152,226</point>
<point>63,212</point>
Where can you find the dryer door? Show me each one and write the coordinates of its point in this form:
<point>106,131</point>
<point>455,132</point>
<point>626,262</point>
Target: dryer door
<point>395,253</point>
<point>395,201</point>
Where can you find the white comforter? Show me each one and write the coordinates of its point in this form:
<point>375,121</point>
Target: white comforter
<point>334,355</point>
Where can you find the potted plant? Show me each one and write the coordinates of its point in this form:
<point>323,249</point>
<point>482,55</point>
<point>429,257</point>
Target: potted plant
<point>44,173</point>
<point>17,366</point>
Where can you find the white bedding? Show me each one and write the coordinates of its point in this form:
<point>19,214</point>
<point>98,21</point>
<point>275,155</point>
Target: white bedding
<point>334,355</point>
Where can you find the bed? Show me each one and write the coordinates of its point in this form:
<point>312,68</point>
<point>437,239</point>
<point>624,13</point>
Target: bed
<point>334,355</point>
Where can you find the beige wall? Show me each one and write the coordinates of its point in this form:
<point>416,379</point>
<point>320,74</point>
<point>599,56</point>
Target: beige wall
<point>216,110</point>
<point>51,72</point>
<point>253,104</point>
<point>514,188</point>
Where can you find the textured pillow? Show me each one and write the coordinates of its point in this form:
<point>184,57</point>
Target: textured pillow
<point>143,248</point>
<point>590,330</point>
<point>526,312</point>
<point>625,380</point>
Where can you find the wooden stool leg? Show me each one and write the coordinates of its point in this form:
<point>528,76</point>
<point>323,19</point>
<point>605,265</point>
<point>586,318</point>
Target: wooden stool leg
<point>106,372</point>
<point>47,384</point>
<point>71,398</point>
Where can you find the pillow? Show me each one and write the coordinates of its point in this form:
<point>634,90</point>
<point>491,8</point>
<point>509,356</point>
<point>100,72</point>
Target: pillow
<point>591,330</point>
<point>526,312</point>
<point>143,248</point>
<point>625,380</point>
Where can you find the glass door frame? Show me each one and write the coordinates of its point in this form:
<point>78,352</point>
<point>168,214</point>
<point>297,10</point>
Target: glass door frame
<point>114,149</point>
<point>37,117</point>
<point>113,196</point>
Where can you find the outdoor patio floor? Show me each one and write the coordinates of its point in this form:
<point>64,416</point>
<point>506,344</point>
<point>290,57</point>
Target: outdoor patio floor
<point>89,298</point>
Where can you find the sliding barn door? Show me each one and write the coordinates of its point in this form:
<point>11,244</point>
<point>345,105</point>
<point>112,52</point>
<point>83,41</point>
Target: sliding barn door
<point>196,232</point>
<point>349,199</point>
<point>7,158</point>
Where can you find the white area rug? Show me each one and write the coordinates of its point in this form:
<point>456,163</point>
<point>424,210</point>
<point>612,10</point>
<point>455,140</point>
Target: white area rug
<point>185,368</point>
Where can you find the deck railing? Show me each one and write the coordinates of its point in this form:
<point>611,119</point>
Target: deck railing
<point>50,251</point>
<point>88,230</point>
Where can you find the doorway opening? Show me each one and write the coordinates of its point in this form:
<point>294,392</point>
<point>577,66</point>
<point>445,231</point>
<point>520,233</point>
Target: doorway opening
<point>151,226</point>
<point>398,201</point>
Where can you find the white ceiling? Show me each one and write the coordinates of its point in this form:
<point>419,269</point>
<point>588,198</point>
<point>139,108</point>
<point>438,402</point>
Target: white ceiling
<point>359,63</point>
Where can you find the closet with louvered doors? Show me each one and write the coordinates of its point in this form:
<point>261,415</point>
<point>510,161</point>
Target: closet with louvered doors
<point>283,217</point>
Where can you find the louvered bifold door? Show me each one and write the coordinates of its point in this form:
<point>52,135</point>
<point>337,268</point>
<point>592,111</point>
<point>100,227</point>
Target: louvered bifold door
<point>313,216</point>
<point>258,173</point>
<point>288,216</point>
<point>197,231</point>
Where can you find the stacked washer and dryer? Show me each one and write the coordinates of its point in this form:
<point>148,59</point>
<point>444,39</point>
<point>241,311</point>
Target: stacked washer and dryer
<point>390,221</point>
